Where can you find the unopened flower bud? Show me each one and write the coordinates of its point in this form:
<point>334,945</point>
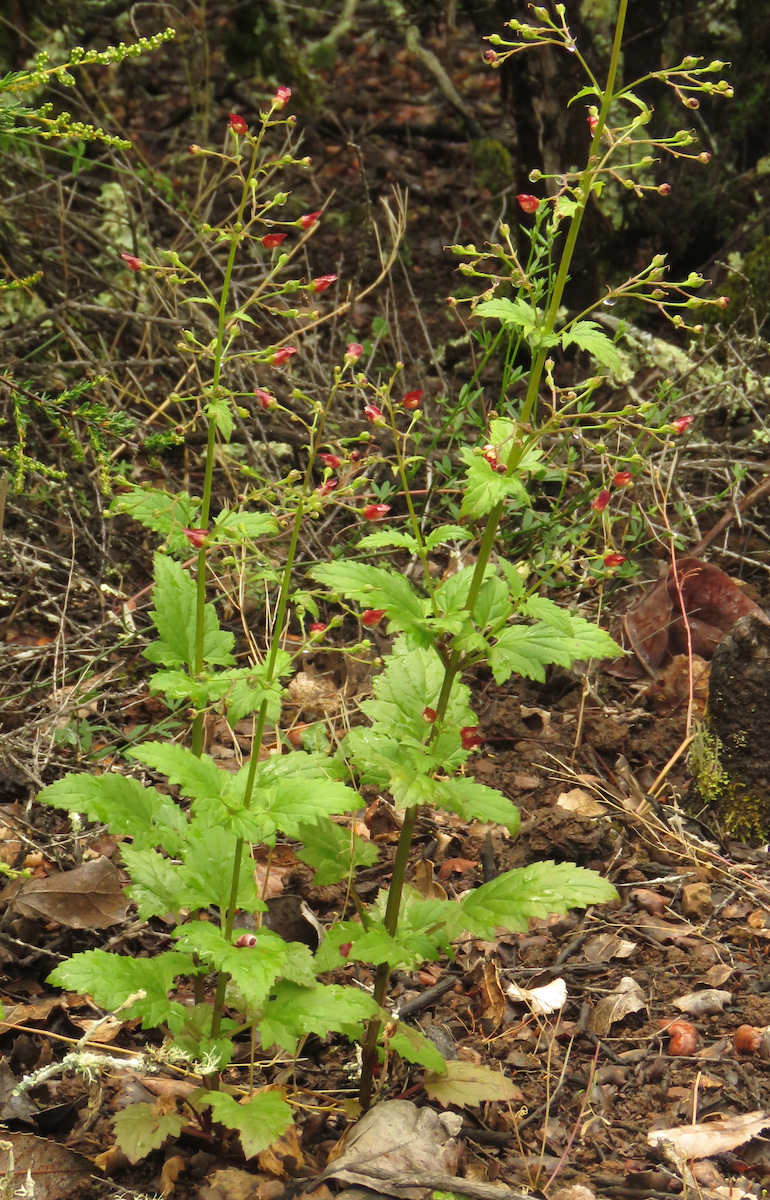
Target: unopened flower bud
<point>372,616</point>
<point>132,262</point>
<point>529,204</point>
<point>614,560</point>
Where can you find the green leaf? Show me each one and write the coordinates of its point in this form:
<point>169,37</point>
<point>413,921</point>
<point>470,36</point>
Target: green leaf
<point>484,488</point>
<point>197,777</point>
<point>445,533</point>
<point>220,412</point>
<point>476,802</point>
<point>124,804</point>
<point>253,969</point>
<point>174,617</point>
<point>156,887</point>
<point>206,872</point>
<point>292,1012</point>
<point>528,649</point>
<point>141,1128</point>
<point>538,890</point>
<point>590,336</point>
<point>112,978</point>
<point>375,587</point>
<point>241,528</point>
<point>334,851</point>
<point>252,688</point>
<point>259,1121</point>
<point>383,539</point>
<point>165,513</point>
<point>514,314</point>
<point>414,1047</point>
<point>467,1084</point>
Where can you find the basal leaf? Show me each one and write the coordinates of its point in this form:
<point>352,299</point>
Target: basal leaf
<point>141,1128</point>
<point>509,901</point>
<point>259,1121</point>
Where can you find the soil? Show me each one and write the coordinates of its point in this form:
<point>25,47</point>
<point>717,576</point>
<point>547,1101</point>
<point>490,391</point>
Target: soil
<point>597,765</point>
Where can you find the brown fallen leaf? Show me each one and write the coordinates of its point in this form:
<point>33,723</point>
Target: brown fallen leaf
<point>704,1140</point>
<point>56,1173</point>
<point>705,1003</point>
<point>88,897</point>
<point>627,998</point>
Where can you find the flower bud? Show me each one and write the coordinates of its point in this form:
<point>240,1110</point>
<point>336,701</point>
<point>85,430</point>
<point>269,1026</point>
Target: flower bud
<point>664,189</point>
<point>322,283</point>
<point>132,262</point>
<point>282,355</point>
<point>614,560</point>
<point>237,124</point>
<point>309,220</point>
<point>529,204</point>
<point>372,616</point>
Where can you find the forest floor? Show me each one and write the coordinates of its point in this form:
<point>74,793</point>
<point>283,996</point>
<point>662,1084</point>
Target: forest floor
<point>650,992</point>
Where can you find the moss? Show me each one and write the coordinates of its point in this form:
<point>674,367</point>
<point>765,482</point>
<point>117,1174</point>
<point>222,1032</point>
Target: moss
<point>492,164</point>
<point>742,814</point>
<point>749,290</point>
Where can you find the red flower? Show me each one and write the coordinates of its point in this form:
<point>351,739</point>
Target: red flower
<point>132,262</point>
<point>318,627</point>
<point>412,400</point>
<point>331,460</point>
<point>322,283</point>
<point>353,352</point>
<point>309,219</point>
<point>282,97</point>
<point>246,939</point>
<point>430,715</point>
<point>327,487</point>
<point>593,121</point>
<point>469,736</point>
<point>283,355</point>
<point>530,204</point>
<point>345,948</point>
<point>681,423</point>
<point>271,240</point>
<point>622,478</point>
<point>372,616</point>
<point>601,501</point>
<point>614,560</point>
<point>237,124</point>
<point>196,537</point>
<point>374,414</point>
<point>265,399</point>
<point>373,512</point>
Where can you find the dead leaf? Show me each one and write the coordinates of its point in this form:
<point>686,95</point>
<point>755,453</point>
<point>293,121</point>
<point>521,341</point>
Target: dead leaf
<point>284,1157</point>
<point>627,998</point>
<point>56,1173</point>
<point>170,1172</point>
<point>578,800</point>
<point>230,1183</point>
<point>397,1138</point>
<point>701,1004</point>
<point>697,900</point>
<point>469,1083</point>
<point>88,897</point>
<point>493,1006</point>
<point>547,999</point>
<point>423,880</point>
<point>654,628</point>
<point>704,1140</point>
<point>605,946</point>
<point>456,866</point>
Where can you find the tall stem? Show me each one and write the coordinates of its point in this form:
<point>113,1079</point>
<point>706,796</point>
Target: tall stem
<point>455,664</point>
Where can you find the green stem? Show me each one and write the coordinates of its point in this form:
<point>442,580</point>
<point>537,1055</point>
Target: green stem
<point>456,660</point>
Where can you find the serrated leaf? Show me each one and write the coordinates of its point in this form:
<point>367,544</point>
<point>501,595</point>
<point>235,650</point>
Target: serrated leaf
<point>112,978</point>
<point>333,851</point>
<point>253,969</point>
<point>259,1122</point>
<point>476,802</point>
<point>514,314</point>
<point>383,539</point>
<point>590,336</point>
<point>484,488</point>
<point>208,860</point>
<point>242,527</point>
<point>156,887</point>
<point>467,1084</point>
<point>127,806</point>
<point>414,1047</point>
<point>538,890</point>
<point>220,412</point>
<point>445,533</point>
<point>528,649</point>
<point>293,1012</point>
<point>141,1128</point>
<point>164,513</point>
<point>376,587</point>
<point>174,617</point>
<point>197,777</point>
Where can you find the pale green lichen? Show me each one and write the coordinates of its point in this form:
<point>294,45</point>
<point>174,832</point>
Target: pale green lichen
<point>742,814</point>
